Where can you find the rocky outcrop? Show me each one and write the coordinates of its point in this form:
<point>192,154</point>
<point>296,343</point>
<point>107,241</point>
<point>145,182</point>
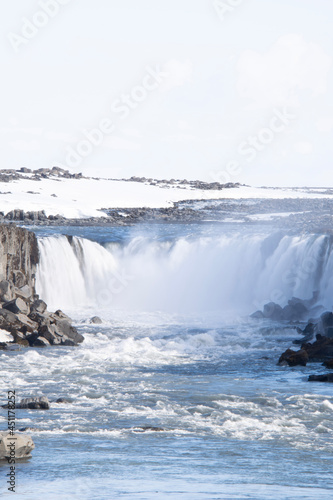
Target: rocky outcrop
<point>22,313</point>
<point>296,310</point>
<point>320,350</point>
<point>22,449</point>
<point>18,256</point>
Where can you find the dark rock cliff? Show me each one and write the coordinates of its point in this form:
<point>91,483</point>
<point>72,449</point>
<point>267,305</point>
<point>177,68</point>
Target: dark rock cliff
<point>22,313</point>
<point>19,256</point>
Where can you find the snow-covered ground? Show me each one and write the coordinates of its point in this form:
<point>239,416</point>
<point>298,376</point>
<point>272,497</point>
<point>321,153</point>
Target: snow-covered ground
<point>79,198</point>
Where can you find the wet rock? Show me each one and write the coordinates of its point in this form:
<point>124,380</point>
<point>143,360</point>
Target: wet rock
<point>327,377</point>
<point>326,324</point>
<point>40,342</point>
<point>20,338</point>
<point>64,401</point>
<point>23,445</point>
<point>257,315</point>
<point>68,342</point>
<point>96,320</point>
<point>146,428</point>
<point>41,403</point>
<point>63,328</point>
<point>328,363</point>
<point>29,429</point>
<point>9,346</point>
<point>294,358</point>
<point>47,332</point>
<point>294,311</point>
<point>308,333</point>
<point>273,311</point>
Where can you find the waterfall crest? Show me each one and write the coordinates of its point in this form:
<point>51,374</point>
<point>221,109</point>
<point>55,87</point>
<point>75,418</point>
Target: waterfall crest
<point>238,272</point>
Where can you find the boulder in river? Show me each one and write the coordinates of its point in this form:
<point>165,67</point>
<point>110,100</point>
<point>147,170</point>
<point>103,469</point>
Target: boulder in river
<point>326,377</point>
<point>328,363</point>
<point>294,358</point>
<point>23,445</point>
<point>308,333</point>
<point>96,320</point>
<point>296,310</point>
<point>321,349</point>
<point>41,403</point>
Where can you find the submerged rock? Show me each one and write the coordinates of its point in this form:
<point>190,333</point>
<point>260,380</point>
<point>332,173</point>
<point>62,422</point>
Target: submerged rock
<point>146,428</point>
<point>328,377</point>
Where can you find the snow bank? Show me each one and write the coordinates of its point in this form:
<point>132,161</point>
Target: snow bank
<point>79,198</point>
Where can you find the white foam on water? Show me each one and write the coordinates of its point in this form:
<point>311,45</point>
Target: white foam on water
<point>5,336</point>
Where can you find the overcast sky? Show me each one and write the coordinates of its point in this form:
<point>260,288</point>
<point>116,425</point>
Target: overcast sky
<point>234,90</point>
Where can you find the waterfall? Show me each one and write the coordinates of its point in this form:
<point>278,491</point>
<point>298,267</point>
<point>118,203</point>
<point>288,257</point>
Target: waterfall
<point>237,272</point>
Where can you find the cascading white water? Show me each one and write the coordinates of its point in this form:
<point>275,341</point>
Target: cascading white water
<point>230,272</point>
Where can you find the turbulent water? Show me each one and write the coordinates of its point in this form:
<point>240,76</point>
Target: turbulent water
<point>221,272</point>
<point>177,393</point>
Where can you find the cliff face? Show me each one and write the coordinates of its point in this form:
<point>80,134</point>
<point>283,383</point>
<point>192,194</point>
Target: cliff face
<point>22,313</point>
<point>19,256</point>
